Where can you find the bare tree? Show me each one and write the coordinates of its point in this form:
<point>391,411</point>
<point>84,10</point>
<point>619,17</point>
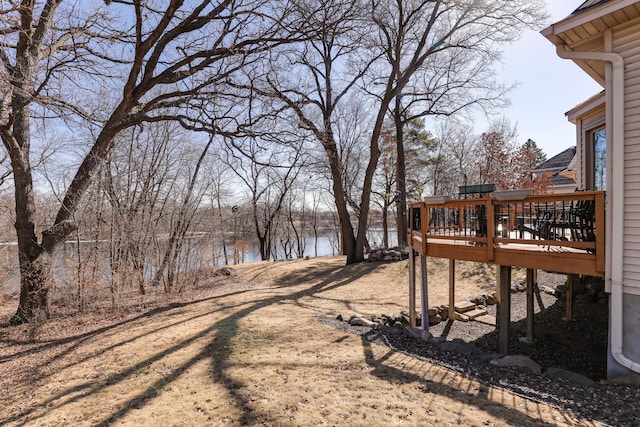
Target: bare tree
<point>175,58</point>
<point>269,171</point>
<point>181,223</point>
<point>330,65</point>
<point>384,189</point>
<point>438,57</point>
<point>456,144</point>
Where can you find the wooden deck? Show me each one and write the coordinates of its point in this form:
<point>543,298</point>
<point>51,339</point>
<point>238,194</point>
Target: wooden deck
<point>563,233</point>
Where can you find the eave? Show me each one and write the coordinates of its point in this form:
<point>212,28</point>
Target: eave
<point>584,32</point>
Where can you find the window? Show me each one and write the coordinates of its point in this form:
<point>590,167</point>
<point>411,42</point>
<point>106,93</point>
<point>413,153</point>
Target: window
<point>595,159</point>
<point>599,150</point>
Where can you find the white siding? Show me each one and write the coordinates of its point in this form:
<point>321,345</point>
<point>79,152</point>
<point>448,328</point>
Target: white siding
<point>626,42</point>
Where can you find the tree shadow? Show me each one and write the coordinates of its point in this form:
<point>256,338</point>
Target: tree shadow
<point>222,332</point>
<point>220,335</point>
<point>437,381</point>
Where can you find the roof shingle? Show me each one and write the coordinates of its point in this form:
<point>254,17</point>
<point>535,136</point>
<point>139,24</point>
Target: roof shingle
<point>588,5</point>
<point>559,161</point>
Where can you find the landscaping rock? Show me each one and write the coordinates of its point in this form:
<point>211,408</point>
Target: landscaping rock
<point>464,306</point>
<point>426,336</point>
<point>475,313</point>
<point>574,377</point>
<point>548,290</point>
<point>387,255</point>
<point>361,321</point>
<point>517,360</point>
<point>487,319</point>
<point>631,379</point>
<point>491,299</point>
<point>488,357</point>
<point>461,317</point>
<point>412,332</point>
<point>434,320</point>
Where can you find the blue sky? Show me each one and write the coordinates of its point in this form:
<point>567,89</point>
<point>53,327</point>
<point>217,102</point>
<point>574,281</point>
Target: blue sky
<point>548,86</point>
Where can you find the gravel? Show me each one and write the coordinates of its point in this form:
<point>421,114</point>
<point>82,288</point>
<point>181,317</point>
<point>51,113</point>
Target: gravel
<point>579,346</point>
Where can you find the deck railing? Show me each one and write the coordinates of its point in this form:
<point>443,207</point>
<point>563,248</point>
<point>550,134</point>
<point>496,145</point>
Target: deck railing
<point>556,223</point>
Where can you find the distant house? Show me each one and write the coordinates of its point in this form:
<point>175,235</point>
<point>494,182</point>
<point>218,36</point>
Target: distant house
<point>561,170</point>
<point>603,38</point>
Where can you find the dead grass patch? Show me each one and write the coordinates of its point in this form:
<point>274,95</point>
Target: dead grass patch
<point>248,351</point>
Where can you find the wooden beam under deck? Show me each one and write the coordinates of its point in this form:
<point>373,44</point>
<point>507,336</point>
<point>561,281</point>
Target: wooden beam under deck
<point>520,256</point>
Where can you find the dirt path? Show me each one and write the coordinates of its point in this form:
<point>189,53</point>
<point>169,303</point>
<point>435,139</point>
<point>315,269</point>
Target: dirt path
<point>250,353</point>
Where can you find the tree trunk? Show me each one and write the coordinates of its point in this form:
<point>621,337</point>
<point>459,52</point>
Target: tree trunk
<point>349,248</point>
<point>35,264</point>
<point>385,226</point>
<point>401,185</point>
<point>35,281</point>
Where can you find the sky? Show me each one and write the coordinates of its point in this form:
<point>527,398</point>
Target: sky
<point>548,86</point>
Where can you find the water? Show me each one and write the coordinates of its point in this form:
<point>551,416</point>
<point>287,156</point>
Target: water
<point>199,252</point>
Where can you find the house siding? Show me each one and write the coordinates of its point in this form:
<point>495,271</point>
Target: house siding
<point>627,43</point>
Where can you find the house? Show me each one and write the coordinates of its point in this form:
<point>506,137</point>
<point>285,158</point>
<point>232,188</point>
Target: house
<point>603,38</point>
<point>561,170</point>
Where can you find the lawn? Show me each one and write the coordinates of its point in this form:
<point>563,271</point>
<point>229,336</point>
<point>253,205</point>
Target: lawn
<point>246,349</point>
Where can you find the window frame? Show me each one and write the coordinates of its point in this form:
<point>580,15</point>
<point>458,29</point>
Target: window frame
<point>590,153</point>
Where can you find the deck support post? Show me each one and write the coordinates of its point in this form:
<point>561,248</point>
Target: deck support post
<point>452,288</point>
<point>531,284</point>
<point>412,287</point>
<point>504,308</point>
<point>569,309</point>
<point>424,294</point>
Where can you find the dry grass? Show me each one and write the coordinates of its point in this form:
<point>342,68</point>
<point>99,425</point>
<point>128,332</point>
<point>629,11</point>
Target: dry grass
<point>250,352</point>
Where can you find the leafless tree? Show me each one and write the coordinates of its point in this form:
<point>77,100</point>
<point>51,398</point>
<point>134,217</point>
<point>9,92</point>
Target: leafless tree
<point>268,170</point>
<point>314,81</point>
<point>384,190</point>
<point>438,57</point>
<point>455,146</point>
<point>164,60</point>
<point>181,223</point>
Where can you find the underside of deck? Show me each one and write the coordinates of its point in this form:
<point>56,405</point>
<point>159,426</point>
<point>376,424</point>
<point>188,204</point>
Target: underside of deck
<point>558,233</point>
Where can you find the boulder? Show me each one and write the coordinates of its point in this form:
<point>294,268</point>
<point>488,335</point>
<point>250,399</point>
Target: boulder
<point>426,336</point>
<point>434,320</point>
<point>574,377</point>
<point>361,321</point>
<point>517,360</point>
<point>412,332</point>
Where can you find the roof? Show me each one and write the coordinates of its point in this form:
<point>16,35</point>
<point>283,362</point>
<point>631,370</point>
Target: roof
<point>587,5</point>
<point>584,29</point>
<point>558,179</point>
<point>559,161</point>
